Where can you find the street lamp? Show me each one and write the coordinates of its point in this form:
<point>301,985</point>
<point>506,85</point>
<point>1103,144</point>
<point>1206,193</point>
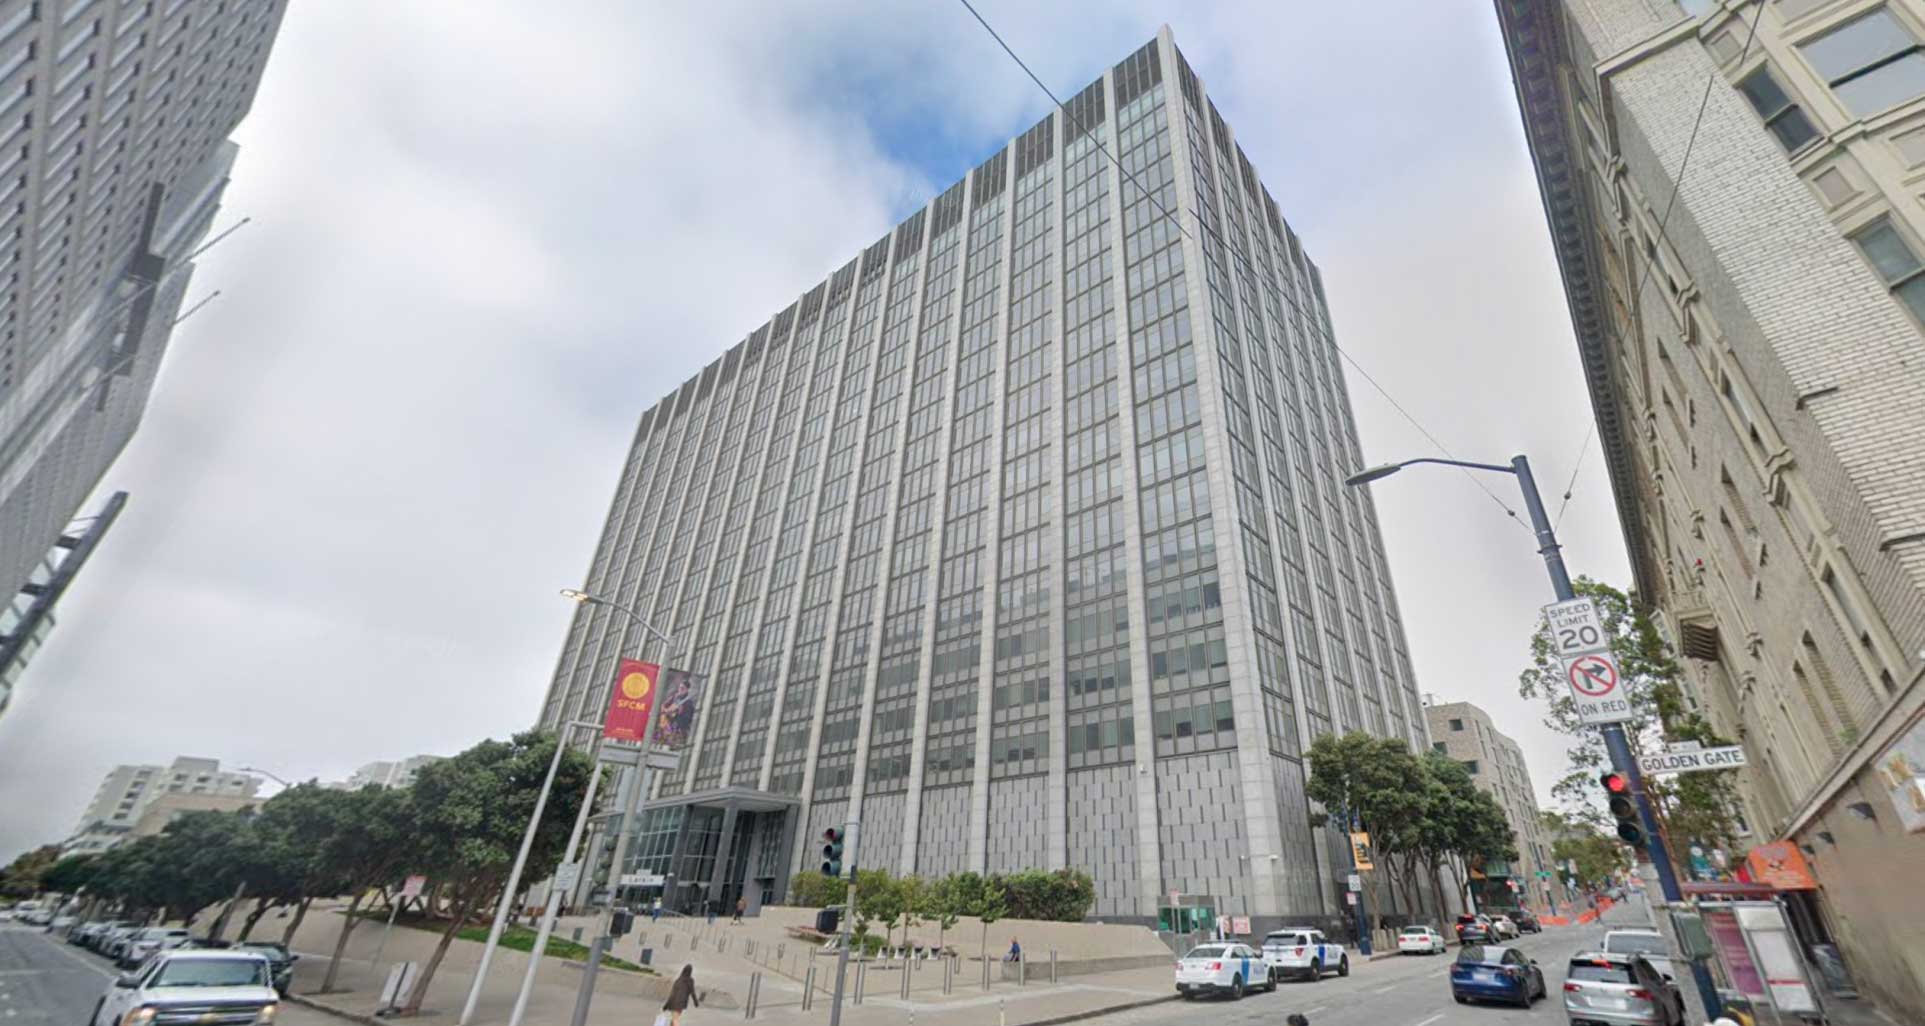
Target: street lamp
<point>271,776</point>
<point>626,830</point>
<point>1614,740</point>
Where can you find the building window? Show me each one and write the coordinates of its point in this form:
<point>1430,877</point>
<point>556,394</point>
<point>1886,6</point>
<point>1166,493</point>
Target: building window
<point>1457,724</point>
<point>1784,118</point>
<point>1439,746</point>
<point>1872,64</point>
<point>1471,764</point>
<point>1892,257</point>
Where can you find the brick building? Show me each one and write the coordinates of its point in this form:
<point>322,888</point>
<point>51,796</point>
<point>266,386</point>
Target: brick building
<point>1757,366</point>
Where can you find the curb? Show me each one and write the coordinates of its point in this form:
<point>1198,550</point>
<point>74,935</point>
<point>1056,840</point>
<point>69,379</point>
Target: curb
<point>306,1002</point>
<point>1096,1012</point>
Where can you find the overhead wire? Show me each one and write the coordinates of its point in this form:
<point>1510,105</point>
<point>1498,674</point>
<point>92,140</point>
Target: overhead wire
<point>1177,222</point>
<point>1664,218</point>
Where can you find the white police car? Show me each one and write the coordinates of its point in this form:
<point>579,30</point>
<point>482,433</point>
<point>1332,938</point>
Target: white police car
<point>1226,968</point>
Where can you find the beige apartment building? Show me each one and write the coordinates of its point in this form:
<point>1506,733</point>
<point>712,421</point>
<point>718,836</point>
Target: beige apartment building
<point>1464,732</point>
<point>1756,361</point>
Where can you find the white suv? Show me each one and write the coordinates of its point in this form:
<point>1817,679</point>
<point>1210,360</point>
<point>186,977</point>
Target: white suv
<point>207,988</point>
<point>1303,952</point>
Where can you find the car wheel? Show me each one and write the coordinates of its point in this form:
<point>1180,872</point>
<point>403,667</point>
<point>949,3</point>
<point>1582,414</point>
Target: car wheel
<point>1236,987</point>
<point>1459,998</point>
<point>1343,966</point>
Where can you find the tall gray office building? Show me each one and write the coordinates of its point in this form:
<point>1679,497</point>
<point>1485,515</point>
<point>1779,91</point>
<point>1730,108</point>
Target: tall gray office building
<point>1022,538</point>
<point>114,116</point>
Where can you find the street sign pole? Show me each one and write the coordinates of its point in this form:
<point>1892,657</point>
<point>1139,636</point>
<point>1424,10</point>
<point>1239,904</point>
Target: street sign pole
<point>852,837</point>
<point>1704,1003</point>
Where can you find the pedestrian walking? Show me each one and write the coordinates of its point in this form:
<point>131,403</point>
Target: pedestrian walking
<point>741,906</point>
<point>708,905</point>
<point>655,910</point>
<point>680,995</point>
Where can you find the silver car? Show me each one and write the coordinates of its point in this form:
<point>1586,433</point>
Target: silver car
<point>1602,988</point>
<point>1649,943</point>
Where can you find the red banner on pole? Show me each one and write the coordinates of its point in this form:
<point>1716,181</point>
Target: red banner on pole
<point>630,701</point>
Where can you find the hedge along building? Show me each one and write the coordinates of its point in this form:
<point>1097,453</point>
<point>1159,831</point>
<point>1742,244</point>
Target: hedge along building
<point>1021,538</point>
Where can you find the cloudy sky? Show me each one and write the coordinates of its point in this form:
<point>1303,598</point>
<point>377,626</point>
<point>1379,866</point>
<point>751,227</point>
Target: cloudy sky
<point>486,237</point>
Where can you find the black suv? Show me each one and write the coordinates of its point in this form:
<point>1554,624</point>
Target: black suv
<point>279,960</point>
<point>1526,921</point>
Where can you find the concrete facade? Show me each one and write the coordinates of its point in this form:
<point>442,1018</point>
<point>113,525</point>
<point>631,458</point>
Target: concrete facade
<point>1756,366</point>
<point>1496,763</point>
<point>127,792</point>
<point>114,118</point>
<point>1022,537</point>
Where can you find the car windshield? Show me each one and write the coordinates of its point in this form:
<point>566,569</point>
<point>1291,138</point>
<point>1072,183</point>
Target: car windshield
<point>1207,952</point>
<point>268,948</point>
<point>1284,938</point>
<point>1416,931</point>
<point>212,972</point>
<point>155,933</point>
<point>1635,944</point>
<point>1480,955</point>
<point>1597,970</point>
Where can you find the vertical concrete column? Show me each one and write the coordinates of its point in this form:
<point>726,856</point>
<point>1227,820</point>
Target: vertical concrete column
<point>1252,752</point>
<point>836,578</point>
<point>1056,792</point>
<point>859,781</point>
<point>977,857</point>
<point>925,659</point>
<point>1149,847</point>
<point>724,844</point>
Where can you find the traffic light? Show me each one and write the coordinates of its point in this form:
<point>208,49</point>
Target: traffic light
<point>1624,808</point>
<point>832,852</point>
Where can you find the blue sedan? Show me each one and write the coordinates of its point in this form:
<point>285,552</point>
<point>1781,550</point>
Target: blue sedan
<point>1495,972</point>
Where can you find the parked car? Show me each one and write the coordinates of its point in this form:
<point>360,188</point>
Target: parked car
<point>1420,940</point>
<point>1649,943</point>
<point>113,943</point>
<point>1473,929</point>
<point>1502,928</point>
<point>61,924</point>
<point>1526,921</point>
<point>88,933</point>
<point>1602,988</point>
<point>279,960</point>
<point>1303,953</point>
<point>147,941</point>
<point>215,987</point>
<point>1495,972</point>
<point>1220,969</point>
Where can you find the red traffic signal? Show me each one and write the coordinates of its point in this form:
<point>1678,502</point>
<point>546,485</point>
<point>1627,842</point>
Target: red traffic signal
<point>1617,791</point>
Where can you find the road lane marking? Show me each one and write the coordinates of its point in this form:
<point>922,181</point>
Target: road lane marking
<point>1314,1011</point>
<point>1385,990</point>
<point>1432,1019</point>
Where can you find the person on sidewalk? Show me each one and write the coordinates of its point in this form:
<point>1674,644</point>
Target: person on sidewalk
<point>1015,951</point>
<point>741,906</point>
<point>708,904</point>
<point>680,995</point>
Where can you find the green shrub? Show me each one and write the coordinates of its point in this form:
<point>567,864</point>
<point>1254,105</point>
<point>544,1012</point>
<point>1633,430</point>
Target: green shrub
<point>810,889</point>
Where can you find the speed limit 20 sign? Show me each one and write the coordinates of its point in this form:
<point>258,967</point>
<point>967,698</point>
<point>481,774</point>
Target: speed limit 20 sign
<point>1590,670</point>
<point>1575,628</point>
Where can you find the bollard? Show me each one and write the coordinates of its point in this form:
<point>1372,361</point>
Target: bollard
<point>1002,1012</point>
<point>1022,968</point>
<point>985,970</point>
<point>862,966</point>
<point>808,988</point>
<point>750,948</point>
<point>947,972</point>
<point>1052,965</point>
<point>668,942</point>
<point>754,995</point>
<point>905,983</point>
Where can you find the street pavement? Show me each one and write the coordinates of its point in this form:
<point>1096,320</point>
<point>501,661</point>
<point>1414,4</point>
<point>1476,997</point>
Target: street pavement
<point>43,979</point>
<point>1410,990</point>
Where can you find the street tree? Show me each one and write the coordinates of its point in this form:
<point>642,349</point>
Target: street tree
<point>368,839</point>
<point>23,876</point>
<point>71,874</point>
<point>1690,807</point>
<point>990,903</point>
<point>467,815</point>
<point>941,905</point>
<point>1587,854</point>
<point>1373,785</point>
<point>288,866</point>
<point>879,901</point>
